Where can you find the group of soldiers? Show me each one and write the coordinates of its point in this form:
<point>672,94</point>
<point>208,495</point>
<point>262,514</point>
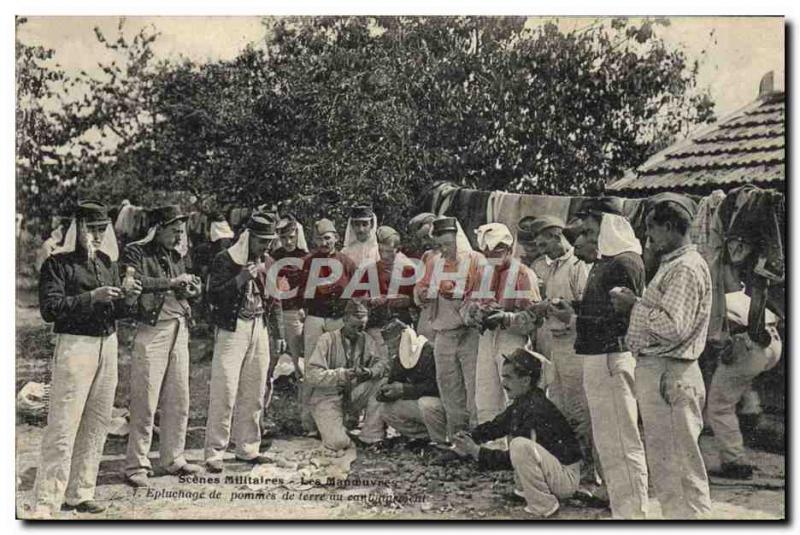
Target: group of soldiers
<point>536,353</point>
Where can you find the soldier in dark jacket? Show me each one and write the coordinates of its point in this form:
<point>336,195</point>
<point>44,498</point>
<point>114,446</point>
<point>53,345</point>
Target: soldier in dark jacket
<point>409,399</point>
<point>543,450</point>
<point>241,292</point>
<point>160,363</point>
<point>80,291</point>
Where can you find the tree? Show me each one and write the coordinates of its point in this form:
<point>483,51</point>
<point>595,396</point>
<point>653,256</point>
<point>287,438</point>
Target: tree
<point>331,111</point>
<point>40,163</point>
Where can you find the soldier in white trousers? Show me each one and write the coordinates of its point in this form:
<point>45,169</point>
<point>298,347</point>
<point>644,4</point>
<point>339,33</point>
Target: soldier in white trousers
<point>667,333</point>
<point>160,360</point>
<point>239,293</point>
<point>733,380</point>
<point>80,292</point>
<point>543,450</point>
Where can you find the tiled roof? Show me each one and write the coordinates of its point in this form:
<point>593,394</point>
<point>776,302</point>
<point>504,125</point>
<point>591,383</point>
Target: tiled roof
<point>746,147</point>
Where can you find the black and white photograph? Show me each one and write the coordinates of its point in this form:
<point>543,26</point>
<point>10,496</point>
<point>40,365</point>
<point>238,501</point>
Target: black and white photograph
<point>407,267</point>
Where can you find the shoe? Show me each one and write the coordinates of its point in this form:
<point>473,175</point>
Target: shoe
<point>588,499</point>
<point>214,467</point>
<point>417,444</point>
<point>187,470</point>
<point>258,459</point>
<point>139,481</point>
<point>448,457</point>
<point>89,506</point>
<point>735,471</point>
<point>360,442</point>
<point>516,496</point>
<point>548,514</point>
<point>378,446</point>
<point>748,423</point>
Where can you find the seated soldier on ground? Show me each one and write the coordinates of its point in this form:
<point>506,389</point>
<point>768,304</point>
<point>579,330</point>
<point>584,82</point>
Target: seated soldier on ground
<point>343,376</point>
<point>543,451</point>
<point>410,398</point>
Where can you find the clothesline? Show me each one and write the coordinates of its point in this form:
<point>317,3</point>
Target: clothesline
<point>747,215</point>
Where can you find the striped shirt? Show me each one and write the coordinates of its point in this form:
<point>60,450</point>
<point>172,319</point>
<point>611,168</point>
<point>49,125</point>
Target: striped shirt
<point>671,319</point>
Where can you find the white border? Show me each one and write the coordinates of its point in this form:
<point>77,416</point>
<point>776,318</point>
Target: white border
<point>240,7</point>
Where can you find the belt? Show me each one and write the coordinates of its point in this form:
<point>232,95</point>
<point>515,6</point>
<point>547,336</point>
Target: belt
<point>247,317</point>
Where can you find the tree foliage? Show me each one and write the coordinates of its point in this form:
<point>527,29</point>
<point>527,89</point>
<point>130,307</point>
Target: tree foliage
<point>329,111</point>
<point>44,172</point>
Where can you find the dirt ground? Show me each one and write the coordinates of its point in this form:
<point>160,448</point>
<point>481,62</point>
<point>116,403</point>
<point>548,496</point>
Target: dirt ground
<point>392,484</point>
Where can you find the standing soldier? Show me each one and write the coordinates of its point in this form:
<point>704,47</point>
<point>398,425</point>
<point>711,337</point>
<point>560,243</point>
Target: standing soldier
<point>732,383</point>
<point>668,328</point>
<point>450,276</point>
<point>239,296</point>
<point>160,363</point>
<point>565,281</point>
<point>512,287</point>
<point>360,236</point>
<point>293,245</point>
<point>395,300</point>
<point>80,291</point>
<point>423,247</point>
<point>607,241</point>
<point>220,235</point>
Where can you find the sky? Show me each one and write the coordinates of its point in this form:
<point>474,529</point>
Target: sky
<point>738,50</point>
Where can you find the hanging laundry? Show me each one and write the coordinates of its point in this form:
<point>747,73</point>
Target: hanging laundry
<point>702,226</point>
<point>753,222</point>
<point>469,207</point>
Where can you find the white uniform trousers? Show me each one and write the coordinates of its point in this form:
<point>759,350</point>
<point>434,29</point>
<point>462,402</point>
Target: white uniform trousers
<point>159,378</point>
<point>81,398</point>
<point>238,385</point>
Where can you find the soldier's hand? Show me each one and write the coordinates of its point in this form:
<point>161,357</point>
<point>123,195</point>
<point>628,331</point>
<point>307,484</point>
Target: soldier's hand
<point>249,272</point>
<point>464,445</point>
<point>350,374</point>
<point>280,346</point>
<point>193,289</point>
<point>392,391</point>
<point>132,293</point>
<point>378,301</point>
<point>540,308</point>
<point>180,280</point>
<point>622,299</point>
<point>106,294</point>
<point>363,374</point>
<point>495,320</point>
<point>561,310</point>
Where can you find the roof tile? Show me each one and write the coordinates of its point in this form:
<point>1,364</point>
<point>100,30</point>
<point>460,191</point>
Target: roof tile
<point>747,147</point>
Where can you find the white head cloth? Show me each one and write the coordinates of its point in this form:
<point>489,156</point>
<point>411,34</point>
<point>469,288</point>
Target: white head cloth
<point>108,246</point>
<point>411,345</point>
<point>361,252</point>
<point>301,237</point>
<point>219,230</point>
<point>616,236</point>
<point>240,250</point>
<point>493,234</point>
<point>182,247</point>
<point>462,242</point>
